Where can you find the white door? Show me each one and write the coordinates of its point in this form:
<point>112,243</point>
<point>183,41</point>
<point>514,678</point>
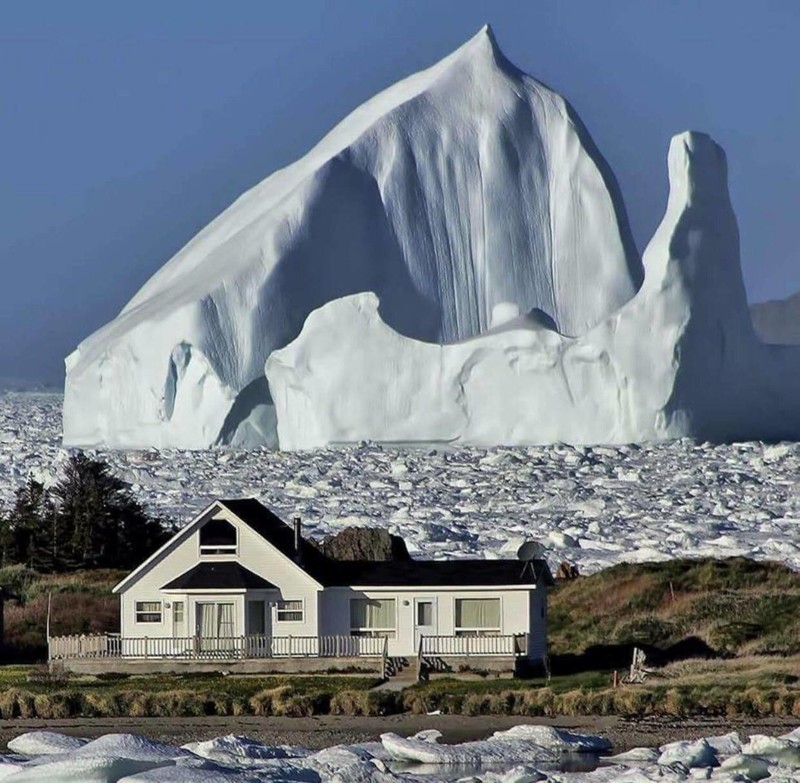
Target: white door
<point>424,619</point>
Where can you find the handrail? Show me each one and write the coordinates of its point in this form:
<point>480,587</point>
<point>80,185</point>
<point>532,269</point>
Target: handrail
<point>468,646</point>
<point>225,648</point>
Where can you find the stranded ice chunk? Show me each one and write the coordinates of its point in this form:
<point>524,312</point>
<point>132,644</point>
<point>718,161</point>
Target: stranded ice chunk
<point>462,196</point>
<point>40,743</point>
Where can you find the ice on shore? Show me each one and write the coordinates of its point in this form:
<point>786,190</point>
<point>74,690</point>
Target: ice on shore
<point>527,753</point>
<point>472,753</point>
<point>236,749</point>
<point>42,743</point>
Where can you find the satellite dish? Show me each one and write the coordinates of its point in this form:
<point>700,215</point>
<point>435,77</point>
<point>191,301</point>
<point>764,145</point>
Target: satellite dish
<point>530,550</point>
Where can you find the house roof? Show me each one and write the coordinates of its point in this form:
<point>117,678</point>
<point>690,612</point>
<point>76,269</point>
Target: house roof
<point>335,573</point>
<point>223,575</point>
<point>445,573</point>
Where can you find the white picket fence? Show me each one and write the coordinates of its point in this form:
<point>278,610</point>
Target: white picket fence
<point>195,647</point>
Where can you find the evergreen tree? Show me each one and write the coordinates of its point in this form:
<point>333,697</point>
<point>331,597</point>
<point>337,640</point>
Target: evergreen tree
<point>88,519</point>
<point>29,528</point>
<point>107,527</point>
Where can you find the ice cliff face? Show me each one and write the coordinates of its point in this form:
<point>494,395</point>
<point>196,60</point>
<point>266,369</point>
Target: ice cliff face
<point>679,359</point>
<point>463,196</point>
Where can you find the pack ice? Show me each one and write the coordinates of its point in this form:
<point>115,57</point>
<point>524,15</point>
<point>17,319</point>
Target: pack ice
<point>679,359</point>
<point>463,196</point>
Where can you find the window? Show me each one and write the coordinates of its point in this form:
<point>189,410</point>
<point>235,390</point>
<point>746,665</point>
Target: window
<point>218,537</point>
<point>477,616</point>
<point>148,611</point>
<point>425,613</point>
<point>290,611</point>
<point>178,619</point>
<point>372,617</point>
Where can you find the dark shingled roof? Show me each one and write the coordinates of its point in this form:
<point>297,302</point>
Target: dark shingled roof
<point>224,575</point>
<point>329,573</point>
<point>447,573</point>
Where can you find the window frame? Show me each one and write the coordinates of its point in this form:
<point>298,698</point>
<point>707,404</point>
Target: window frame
<point>176,606</point>
<point>279,609</point>
<point>138,613</point>
<point>464,631</point>
<point>376,631</point>
<point>218,550</point>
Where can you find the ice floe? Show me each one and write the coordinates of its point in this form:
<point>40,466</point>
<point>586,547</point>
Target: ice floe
<point>523,754</point>
<point>591,506</point>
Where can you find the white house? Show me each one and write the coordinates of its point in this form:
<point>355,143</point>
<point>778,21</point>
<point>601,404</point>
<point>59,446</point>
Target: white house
<point>238,583</point>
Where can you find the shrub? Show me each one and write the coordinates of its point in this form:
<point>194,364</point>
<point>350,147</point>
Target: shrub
<point>538,702</point>
<point>18,579</point>
<point>54,706</point>
<point>365,703</point>
<point>677,702</point>
<point>633,701</point>
<point>263,702</point>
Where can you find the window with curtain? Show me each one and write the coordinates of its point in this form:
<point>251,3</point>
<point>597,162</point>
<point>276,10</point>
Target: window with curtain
<point>225,624</point>
<point>477,617</point>
<point>372,617</point>
<point>215,620</point>
<point>148,611</point>
<point>289,612</point>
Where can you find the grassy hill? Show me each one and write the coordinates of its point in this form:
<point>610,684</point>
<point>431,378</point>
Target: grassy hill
<point>81,602</point>
<point>692,607</point>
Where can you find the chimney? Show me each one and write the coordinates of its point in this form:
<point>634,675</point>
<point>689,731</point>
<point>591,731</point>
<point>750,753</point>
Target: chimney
<point>298,537</point>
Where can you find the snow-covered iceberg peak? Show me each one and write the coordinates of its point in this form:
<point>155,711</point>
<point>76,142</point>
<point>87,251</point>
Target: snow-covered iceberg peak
<point>463,191</point>
<point>679,359</point>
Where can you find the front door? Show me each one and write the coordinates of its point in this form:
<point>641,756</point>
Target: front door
<point>424,619</point>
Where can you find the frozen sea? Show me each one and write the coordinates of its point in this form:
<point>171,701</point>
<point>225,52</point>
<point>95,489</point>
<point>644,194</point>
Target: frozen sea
<point>523,754</point>
<point>590,506</point>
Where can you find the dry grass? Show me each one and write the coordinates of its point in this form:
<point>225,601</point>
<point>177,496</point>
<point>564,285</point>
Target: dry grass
<point>735,606</point>
<point>81,603</point>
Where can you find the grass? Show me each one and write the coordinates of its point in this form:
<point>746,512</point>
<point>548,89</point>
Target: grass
<point>81,602</point>
<point>24,695</point>
<point>737,687</point>
<point>731,607</point>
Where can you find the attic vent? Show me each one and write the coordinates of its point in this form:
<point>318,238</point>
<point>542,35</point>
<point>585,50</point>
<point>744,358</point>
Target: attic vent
<point>218,537</point>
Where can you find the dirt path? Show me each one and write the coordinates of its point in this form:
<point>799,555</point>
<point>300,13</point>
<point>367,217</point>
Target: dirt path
<point>327,730</point>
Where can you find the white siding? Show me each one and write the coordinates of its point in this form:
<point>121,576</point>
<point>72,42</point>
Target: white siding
<point>335,611</point>
<point>254,553</point>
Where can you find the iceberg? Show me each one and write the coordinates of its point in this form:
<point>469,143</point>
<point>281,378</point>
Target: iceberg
<point>465,197</point>
<point>679,359</point>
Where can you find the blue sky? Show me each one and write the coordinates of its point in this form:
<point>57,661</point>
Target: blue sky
<point>126,127</point>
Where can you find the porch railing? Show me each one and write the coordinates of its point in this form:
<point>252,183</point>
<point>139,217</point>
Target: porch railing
<point>223,648</point>
<point>513,644</point>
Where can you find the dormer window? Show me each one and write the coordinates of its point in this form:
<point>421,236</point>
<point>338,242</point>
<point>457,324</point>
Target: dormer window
<point>218,537</point>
